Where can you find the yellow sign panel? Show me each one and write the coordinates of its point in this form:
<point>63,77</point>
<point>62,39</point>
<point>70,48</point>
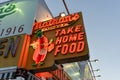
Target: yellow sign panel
<point>10,50</point>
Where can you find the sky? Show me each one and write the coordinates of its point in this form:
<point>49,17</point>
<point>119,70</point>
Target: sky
<point>102,25</point>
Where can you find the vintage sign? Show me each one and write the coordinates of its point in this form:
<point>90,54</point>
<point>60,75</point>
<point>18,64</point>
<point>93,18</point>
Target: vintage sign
<point>17,16</point>
<point>57,41</point>
<point>11,49</point>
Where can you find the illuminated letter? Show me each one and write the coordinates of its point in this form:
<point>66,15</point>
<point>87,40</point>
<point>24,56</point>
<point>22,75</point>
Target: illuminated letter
<point>73,37</point>
<point>78,28</point>
<point>80,46</point>
<point>64,49</point>
<point>57,32</point>
<point>51,22</point>
<point>70,30</point>
<point>58,40</point>
<point>63,32</point>
<point>61,20</point>
<point>39,25</point>
<point>67,19</point>
<point>57,50</point>
<point>72,48</point>
<point>45,24</point>
<point>55,21</point>
<point>12,46</point>
<point>75,16</point>
<point>81,36</point>
<point>65,39</point>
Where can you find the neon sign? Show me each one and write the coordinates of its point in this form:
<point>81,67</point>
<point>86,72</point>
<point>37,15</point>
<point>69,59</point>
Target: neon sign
<point>56,21</point>
<point>68,43</point>
<point>7,10</point>
<point>74,36</point>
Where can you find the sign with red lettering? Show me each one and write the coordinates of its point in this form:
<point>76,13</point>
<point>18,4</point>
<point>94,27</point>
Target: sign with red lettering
<point>57,41</point>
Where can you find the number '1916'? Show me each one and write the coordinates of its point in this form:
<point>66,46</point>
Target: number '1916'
<point>12,30</point>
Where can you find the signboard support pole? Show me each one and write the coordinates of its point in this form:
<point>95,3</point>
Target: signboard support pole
<point>66,7</point>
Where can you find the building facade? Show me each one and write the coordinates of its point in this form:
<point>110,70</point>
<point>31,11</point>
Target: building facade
<point>36,46</point>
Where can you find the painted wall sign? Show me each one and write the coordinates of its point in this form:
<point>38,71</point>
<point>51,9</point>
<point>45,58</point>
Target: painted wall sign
<point>17,17</point>
<point>10,50</point>
<point>59,42</point>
